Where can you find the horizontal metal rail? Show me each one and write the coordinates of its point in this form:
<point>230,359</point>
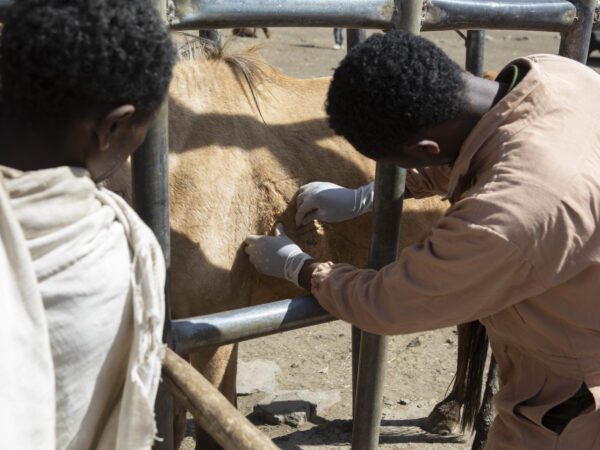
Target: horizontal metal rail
<point>281,13</point>
<point>541,15</point>
<point>546,15</point>
<point>194,333</point>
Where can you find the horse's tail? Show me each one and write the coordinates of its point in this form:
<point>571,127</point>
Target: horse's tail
<point>472,354</point>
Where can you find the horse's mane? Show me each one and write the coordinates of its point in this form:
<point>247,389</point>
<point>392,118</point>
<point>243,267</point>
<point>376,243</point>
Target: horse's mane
<point>247,64</point>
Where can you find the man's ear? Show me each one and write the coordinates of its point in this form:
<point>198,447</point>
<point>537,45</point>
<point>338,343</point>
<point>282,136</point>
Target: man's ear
<point>428,146</point>
<point>111,124</point>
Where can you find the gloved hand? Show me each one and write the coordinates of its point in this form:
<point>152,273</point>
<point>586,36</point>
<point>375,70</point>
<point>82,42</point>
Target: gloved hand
<point>277,255</point>
<point>332,203</point>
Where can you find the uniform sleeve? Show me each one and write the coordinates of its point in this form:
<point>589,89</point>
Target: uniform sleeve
<point>463,272</point>
<point>428,181</point>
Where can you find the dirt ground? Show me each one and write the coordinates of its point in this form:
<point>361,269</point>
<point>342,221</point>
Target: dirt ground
<point>420,366</point>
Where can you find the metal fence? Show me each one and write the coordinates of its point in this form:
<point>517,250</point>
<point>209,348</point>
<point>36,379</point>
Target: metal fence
<point>574,20</point>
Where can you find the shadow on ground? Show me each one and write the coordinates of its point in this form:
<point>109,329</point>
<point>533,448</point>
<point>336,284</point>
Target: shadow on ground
<point>339,432</point>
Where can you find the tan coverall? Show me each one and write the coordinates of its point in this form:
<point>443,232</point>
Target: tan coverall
<point>519,249</point>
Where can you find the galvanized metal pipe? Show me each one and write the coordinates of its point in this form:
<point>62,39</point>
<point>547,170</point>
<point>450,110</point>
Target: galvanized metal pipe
<point>575,42</point>
<point>387,212</point>
<point>355,37</point>
<point>474,55</point>
<point>544,15</point>
<point>195,333</point>
<point>193,14</point>
<point>151,200</point>
<point>150,175</point>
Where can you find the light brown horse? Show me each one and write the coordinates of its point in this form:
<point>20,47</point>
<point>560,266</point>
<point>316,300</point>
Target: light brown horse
<point>243,138</point>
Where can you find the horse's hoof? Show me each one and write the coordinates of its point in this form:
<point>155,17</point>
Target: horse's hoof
<point>443,419</point>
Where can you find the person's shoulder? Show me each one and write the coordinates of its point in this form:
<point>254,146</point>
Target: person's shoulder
<point>549,62</point>
<point>543,60</point>
<point>503,203</point>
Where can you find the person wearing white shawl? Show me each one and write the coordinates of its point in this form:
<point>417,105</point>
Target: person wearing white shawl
<point>82,277</point>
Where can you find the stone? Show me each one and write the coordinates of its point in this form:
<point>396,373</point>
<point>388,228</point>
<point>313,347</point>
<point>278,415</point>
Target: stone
<point>256,376</point>
<point>294,407</point>
<point>414,343</point>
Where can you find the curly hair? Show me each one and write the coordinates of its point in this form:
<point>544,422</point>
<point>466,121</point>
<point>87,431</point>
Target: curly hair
<point>61,59</point>
<point>391,87</point>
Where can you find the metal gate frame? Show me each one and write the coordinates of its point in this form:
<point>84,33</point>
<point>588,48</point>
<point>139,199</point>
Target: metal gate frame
<point>573,19</point>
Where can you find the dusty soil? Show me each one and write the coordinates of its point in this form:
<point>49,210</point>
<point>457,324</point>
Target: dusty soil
<point>419,367</point>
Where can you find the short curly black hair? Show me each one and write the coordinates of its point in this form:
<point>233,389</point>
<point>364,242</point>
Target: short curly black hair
<point>61,59</point>
<point>391,87</point>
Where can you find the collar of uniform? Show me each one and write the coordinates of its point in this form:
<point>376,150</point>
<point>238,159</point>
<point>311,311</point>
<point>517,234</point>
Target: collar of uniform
<point>490,121</point>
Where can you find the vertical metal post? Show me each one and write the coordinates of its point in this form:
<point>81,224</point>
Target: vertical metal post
<point>150,175</point>
<point>355,37</point>
<point>575,42</point>
<point>474,57</point>
<point>387,212</point>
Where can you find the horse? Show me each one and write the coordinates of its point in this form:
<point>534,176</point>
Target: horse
<point>243,137</point>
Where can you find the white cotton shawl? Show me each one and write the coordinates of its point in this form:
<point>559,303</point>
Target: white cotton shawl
<point>97,275</point>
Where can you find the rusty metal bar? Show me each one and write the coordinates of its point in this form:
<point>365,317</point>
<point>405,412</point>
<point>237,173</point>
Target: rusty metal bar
<point>252,322</point>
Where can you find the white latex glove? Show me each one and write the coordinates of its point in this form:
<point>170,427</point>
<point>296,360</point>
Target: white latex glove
<point>332,203</point>
<point>277,255</point>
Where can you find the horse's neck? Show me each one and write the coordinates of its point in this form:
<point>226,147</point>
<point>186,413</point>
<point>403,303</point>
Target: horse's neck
<point>214,87</point>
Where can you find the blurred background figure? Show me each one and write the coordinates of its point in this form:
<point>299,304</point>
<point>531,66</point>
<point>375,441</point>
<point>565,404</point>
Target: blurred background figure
<point>250,32</point>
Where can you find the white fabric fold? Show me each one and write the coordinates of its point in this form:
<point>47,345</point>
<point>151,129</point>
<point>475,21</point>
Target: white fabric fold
<point>100,274</point>
<point>26,368</point>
